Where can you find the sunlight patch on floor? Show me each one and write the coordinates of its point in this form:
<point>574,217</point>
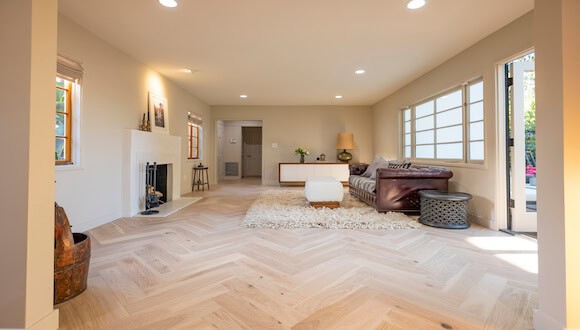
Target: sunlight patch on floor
<point>524,261</point>
<point>503,243</point>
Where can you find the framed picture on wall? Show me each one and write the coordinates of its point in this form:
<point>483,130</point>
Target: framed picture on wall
<point>159,113</point>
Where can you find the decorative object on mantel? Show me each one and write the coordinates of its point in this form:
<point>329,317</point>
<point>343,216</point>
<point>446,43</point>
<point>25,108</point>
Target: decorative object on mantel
<point>322,157</point>
<point>72,254</point>
<point>302,151</point>
<point>145,124</point>
<point>345,141</point>
<point>152,196</point>
<point>290,209</point>
<point>159,110</point>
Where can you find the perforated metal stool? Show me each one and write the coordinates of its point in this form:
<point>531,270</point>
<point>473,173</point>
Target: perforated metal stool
<point>444,209</point>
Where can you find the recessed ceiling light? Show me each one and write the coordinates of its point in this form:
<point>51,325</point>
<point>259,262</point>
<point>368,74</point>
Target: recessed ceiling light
<point>168,3</point>
<point>416,4</point>
<point>243,96</point>
<point>360,71</point>
<point>338,97</point>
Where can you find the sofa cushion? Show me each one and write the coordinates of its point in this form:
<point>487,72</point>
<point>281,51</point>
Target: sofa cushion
<point>362,183</point>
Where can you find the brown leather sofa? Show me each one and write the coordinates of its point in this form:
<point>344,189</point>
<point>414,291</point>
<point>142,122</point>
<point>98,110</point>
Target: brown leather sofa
<point>397,189</point>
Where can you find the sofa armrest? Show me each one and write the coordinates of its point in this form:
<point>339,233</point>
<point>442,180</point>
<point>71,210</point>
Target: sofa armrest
<point>357,169</point>
<point>414,173</point>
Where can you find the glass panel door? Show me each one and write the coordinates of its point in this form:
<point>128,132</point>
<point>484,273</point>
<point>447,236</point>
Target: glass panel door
<point>523,154</point>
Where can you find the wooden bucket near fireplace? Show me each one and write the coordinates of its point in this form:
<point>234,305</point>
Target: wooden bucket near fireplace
<point>72,254</point>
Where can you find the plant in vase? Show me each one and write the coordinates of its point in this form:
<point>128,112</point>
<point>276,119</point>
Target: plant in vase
<point>302,151</point>
<point>531,175</point>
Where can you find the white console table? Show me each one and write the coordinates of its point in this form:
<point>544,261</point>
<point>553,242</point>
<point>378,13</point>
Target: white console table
<point>296,173</point>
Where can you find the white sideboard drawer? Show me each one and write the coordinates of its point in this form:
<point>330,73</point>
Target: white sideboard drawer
<point>297,173</point>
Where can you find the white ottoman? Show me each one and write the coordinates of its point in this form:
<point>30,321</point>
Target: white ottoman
<point>323,191</point>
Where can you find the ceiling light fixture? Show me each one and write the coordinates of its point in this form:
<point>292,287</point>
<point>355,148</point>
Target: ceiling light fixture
<point>360,71</point>
<point>243,96</point>
<point>188,70</point>
<point>338,97</point>
<point>168,3</point>
<point>416,4</point>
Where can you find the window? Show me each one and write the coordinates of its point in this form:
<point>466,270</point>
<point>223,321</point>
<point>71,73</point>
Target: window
<point>475,109</point>
<point>407,133</point>
<point>63,131</point>
<point>194,135</point>
<point>447,127</point>
<point>67,104</point>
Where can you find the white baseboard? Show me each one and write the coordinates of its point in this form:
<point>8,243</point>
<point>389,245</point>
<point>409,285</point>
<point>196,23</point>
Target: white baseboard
<point>49,322</point>
<point>88,225</point>
<point>543,321</point>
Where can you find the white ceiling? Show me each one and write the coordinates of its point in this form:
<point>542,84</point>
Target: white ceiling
<point>298,52</point>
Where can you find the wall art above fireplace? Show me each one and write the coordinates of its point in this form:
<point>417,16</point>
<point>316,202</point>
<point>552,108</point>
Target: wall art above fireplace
<point>159,113</point>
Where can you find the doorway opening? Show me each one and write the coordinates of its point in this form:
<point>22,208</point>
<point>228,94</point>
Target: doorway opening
<point>520,144</point>
<point>251,151</point>
<point>239,149</point>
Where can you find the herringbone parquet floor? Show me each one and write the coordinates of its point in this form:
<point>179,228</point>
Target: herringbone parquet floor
<point>199,269</point>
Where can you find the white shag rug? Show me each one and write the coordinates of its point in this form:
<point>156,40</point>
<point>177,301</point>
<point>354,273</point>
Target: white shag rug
<point>290,209</point>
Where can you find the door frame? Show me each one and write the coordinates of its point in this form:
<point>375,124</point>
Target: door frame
<point>215,143</point>
<point>501,204</point>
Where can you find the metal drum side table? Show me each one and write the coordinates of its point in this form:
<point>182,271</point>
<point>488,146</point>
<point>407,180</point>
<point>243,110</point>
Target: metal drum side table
<point>444,209</point>
<point>200,178</point>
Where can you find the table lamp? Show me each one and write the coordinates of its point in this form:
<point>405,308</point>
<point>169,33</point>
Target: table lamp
<point>345,141</point>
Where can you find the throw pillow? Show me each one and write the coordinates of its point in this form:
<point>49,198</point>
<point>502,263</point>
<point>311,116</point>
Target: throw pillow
<point>400,164</point>
<point>382,163</point>
<point>373,166</point>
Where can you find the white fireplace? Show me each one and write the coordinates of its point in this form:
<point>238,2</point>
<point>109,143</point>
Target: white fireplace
<point>139,149</point>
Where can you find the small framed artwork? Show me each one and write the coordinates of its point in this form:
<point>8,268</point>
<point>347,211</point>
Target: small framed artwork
<point>159,112</point>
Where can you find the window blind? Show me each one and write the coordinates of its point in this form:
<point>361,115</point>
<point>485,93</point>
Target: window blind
<point>68,69</point>
<point>194,119</point>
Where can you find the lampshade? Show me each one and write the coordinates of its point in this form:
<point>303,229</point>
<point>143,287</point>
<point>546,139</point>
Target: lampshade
<point>345,141</point>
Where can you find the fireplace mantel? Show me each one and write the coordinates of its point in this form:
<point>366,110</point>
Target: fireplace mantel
<point>140,147</point>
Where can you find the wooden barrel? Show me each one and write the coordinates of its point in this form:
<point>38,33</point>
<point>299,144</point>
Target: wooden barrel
<point>72,254</point>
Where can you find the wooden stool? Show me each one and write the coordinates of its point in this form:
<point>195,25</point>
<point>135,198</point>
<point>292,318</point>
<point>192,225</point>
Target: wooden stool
<point>199,179</point>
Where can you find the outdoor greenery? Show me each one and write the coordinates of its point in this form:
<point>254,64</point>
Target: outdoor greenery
<point>530,126</point>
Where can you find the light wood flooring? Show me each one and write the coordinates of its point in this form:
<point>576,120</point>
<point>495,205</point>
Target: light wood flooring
<point>199,269</point>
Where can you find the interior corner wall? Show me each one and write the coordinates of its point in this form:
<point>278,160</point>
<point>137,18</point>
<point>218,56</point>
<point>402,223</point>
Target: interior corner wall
<point>27,66</point>
<point>481,59</point>
<point>315,127</point>
<point>114,97</point>
<point>558,143</point>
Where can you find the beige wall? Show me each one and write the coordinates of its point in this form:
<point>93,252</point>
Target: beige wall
<point>28,34</point>
<point>315,127</point>
<point>558,146</point>
<point>479,60</point>
<point>114,97</point>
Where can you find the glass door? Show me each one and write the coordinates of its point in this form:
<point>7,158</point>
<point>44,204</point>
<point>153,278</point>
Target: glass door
<point>522,145</point>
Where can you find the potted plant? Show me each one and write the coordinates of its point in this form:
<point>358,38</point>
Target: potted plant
<point>302,151</point>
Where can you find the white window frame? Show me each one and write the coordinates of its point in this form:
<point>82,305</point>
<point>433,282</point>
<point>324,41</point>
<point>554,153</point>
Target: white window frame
<point>199,124</point>
<point>72,70</point>
<point>465,123</point>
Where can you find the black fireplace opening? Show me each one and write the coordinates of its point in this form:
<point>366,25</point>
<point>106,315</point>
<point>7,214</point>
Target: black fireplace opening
<point>161,182</point>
